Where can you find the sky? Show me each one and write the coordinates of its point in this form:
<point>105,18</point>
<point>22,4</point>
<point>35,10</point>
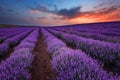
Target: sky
<point>58,12</point>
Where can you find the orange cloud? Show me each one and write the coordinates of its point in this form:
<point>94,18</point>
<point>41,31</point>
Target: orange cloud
<point>113,15</point>
<point>81,20</point>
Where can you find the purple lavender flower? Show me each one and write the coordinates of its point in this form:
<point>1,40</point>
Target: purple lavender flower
<point>72,65</point>
<point>18,65</point>
<point>3,49</point>
<point>25,45</point>
<point>52,42</point>
<point>105,52</point>
<point>14,40</point>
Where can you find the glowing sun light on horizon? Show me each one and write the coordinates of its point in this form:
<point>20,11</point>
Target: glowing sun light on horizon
<point>82,20</point>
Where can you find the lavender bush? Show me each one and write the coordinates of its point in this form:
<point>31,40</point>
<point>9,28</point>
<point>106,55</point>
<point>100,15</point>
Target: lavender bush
<point>2,39</point>
<point>76,65</point>
<point>71,64</point>
<point>18,65</point>
<point>30,41</point>
<point>33,37</point>
<point>7,33</point>
<point>107,53</point>
<point>14,40</point>
<point>52,42</point>
<point>109,29</point>
<point>3,49</point>
<point>96,36</point>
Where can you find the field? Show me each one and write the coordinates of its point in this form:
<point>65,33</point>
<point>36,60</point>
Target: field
<point>74,52</point>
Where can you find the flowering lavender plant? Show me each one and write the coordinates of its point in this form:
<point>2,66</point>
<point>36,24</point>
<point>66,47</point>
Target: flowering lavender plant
<point>18,65</point>
<point>3,49</point>
<point>76,65</point>
<point>105,52</point>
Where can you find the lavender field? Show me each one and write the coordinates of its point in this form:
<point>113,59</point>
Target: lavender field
<point>74,52</point>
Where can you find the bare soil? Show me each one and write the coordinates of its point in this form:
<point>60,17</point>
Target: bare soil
<point>42,68</point>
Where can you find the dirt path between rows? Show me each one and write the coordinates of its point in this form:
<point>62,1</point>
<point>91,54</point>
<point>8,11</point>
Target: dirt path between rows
<point>42,69</point>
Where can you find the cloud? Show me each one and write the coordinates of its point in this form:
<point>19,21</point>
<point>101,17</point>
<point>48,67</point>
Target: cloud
<point>74,12</point>
<point>69,13</point>
<point>55,6</point>
<point>107,14</point>
<point>12,19</point>
<point>75,15</point>
<point>112,3</point>
<point>10,10</point>
<point>40,8</point>
<point>3,8</point>
<point>99,6</point>
<point>107,10</point>
<point>111,16</point>
<point>66,13</point>
<point>47,22</point>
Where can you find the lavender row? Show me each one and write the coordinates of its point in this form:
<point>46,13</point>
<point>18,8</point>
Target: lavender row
<point>53,42</point>
<point>4,47</point>
<point>96,36</point>
<point>90,29</point>
<point>30,41</point>
<point>15,39</point>
<point>106,53</point>
<point>8,35</point>
<point>105,32</point>
<point>71,64</point>
<point>109,33</point>
<point>76,65</point>
<point>18,65</point>
<point>9,31</point>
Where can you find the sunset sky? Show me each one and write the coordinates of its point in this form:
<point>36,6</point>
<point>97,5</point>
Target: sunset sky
<point>58,12</point>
